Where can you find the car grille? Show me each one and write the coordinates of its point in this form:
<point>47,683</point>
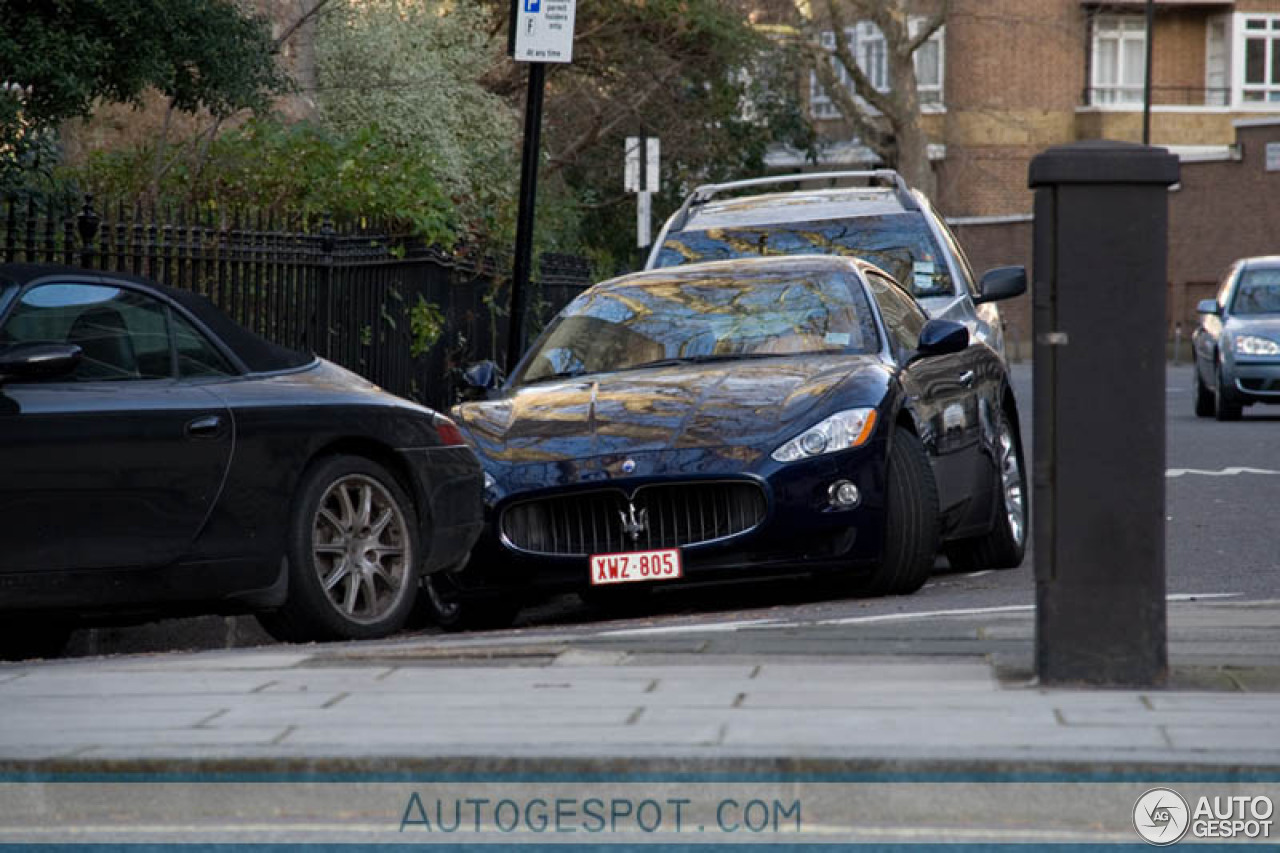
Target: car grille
<point>1263,386</point>
<point>672,516</point>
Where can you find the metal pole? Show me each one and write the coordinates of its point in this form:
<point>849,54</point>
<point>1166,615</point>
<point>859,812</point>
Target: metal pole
<point>1146,95</point>
<point>524,224</point>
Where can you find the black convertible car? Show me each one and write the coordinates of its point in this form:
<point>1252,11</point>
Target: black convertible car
<point>156,459</point>
<point>745,417</point>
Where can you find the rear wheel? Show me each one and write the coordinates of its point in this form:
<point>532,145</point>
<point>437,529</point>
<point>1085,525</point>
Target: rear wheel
<point>1203,396</point>
<point>911,532</point>
<point>353,555</point>
<point>1006,544</point>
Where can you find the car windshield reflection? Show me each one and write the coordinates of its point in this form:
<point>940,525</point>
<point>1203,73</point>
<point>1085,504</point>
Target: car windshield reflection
<point>1258,293</point>
<point>686,319</point>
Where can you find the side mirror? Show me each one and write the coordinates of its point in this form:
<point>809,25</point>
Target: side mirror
<point>1002,283</point>
<point>38,361</point>
<point>480,379</point>
<point>942,337</point>
<point>1208,306</point>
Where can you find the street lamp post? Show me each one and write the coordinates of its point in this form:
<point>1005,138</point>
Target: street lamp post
<point>1146,95</point>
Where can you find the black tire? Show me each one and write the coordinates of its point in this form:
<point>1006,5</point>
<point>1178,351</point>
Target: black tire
<point>1224,408</point>
<point>1203,396</point>
<point>330,527</point>
<point>911,530</point>
<point>27,639</point>
<point>442,603</point>
<point>1006,545</point>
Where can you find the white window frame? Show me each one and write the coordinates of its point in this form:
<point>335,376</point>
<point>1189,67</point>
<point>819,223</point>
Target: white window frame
<point>1217,81</point>
<point>869,49</point>
<point>1115,27</point>
<point>1242,33</point>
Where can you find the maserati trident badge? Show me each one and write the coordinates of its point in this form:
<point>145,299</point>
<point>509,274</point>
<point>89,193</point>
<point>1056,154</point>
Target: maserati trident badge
<point>634,523</point>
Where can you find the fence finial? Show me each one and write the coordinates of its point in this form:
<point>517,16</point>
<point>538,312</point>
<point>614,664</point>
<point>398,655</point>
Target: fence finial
<point>87,227</point>
<point>327,240</point>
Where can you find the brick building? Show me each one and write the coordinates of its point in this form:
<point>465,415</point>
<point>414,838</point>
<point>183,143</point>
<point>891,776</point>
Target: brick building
<point>1007,79</point>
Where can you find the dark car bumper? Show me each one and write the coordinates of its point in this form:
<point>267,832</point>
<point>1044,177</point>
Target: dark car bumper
<point>449,484</point>
<point>800,532</point>
<point>1255,381</point>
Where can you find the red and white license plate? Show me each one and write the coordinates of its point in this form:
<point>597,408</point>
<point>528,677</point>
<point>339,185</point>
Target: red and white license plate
<point>635,566</point>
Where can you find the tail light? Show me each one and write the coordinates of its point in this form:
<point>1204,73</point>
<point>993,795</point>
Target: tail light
<point>450,435</point>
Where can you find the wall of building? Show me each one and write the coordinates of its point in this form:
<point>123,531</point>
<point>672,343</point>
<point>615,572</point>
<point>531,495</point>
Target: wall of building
<point>1220,211</point>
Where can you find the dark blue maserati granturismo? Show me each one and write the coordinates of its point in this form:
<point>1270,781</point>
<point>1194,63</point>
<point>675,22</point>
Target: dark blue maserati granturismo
<point>734,419</point>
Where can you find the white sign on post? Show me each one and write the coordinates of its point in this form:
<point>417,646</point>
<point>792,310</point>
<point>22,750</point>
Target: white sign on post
<point>641,175</point>
<point>544,31</point>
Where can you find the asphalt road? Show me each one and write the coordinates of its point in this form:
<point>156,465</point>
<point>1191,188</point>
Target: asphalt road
<point>1223,488</point>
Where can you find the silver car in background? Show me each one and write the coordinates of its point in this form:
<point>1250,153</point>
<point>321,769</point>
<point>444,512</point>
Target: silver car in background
<point>1237,344</point>
<point>873,216</point>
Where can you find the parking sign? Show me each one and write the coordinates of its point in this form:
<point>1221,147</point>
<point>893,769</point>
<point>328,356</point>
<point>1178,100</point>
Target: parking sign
<point>542,31</point>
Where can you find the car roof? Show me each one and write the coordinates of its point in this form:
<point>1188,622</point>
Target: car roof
<point>1261,262</point>
<point>747,267</point>
<point>796,206</point>
<point>256,353</point>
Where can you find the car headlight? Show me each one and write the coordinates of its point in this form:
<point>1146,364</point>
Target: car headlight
<point>841,431</point>
<point>1254,345</point>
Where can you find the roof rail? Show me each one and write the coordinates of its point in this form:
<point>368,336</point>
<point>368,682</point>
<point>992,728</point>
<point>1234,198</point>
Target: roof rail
<point>885,177</point>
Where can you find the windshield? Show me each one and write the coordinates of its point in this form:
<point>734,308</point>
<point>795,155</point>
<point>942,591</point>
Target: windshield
<point>900,243</point>
<point>1258,292</point>
<point>690,319</point>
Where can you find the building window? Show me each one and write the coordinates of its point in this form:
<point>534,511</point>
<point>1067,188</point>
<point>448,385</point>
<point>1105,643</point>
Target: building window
<point>1119,60</point>
<point>870,50</point>
<point>1261,65</point>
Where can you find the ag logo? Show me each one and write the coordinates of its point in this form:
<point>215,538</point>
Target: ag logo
<point>1161,817</point>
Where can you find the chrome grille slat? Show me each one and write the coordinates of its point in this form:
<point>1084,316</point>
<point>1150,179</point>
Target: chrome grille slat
<point>677,514</point>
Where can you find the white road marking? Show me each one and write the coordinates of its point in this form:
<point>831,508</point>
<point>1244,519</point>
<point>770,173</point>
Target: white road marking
<point>981,573</point>
<point>1225,472</point>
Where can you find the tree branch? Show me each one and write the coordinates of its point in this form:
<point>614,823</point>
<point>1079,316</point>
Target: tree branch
<point>300,22</point>
<point>930,26</point>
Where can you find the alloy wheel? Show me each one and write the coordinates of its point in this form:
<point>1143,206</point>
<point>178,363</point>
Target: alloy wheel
<point>1015,505</point>
<point>361,547</point>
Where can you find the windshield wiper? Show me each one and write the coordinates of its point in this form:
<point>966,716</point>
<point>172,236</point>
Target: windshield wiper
<point>551,377</point>
<point>700,359</point>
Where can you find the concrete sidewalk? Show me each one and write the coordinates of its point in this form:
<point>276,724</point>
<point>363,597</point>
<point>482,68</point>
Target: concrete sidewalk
<point>949,692</point>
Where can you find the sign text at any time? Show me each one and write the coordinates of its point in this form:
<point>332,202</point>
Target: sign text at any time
<point>543,31</point>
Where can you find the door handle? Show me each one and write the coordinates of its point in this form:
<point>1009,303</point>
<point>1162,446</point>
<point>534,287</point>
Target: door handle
<point>966,378</point>
<point>207,426</point>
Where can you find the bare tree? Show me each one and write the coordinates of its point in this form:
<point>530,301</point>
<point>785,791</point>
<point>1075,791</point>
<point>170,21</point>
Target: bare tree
<point>887,122</point>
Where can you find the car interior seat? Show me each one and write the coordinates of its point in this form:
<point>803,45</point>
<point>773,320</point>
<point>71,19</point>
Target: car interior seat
<point>102,335</point>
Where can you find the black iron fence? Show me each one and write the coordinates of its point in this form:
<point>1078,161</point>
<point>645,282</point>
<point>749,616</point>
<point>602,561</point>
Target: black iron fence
<point>404,315</point>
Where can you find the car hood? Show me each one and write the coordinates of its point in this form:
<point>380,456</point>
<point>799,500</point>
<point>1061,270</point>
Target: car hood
<point>1255,324</point>
<point>749,407</point>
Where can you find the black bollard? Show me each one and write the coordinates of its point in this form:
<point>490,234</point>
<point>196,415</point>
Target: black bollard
<point>1101,239</point>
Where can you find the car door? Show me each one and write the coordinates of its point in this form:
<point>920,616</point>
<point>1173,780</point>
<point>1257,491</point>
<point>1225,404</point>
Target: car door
<point>118,463</point>
<point>944,390</point>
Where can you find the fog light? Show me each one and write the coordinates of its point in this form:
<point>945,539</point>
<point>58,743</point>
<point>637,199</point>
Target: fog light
<point>843,495</point>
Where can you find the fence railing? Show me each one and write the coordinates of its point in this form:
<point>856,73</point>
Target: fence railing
<point>404,315</point>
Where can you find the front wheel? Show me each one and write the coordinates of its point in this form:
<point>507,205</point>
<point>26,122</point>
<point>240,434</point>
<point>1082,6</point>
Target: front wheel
<point>27,638</point>
<point>1005,546</point>
<point>441,602</point>
<point>911,531</point>
<point>353,555</point>
<point>1224,408</point>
